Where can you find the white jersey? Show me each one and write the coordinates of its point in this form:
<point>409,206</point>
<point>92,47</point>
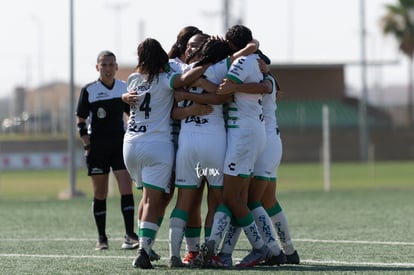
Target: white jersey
<point>202,142</point>
<point>268,163</point>
<point>270,107</point>
<point>214,121</point>
<point>177,65</point>
<point>246,109</point>
<point>150,119</point>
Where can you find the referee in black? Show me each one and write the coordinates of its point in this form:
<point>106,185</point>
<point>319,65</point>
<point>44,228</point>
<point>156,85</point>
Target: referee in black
<point>101,116</point>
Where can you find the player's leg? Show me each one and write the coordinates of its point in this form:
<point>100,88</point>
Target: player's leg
<point>193,229</point>
<point>280,223</point>
<point>178,222</point>
<point>100,191</point>
<point>256,192</point>
<point>127,208</point>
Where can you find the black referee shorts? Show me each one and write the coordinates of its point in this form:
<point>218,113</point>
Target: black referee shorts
<point>103,156</point>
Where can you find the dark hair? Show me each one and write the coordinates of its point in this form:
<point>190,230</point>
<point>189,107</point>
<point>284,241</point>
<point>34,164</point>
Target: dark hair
<point>152,59</point>
<point>239,36</point>
<point>212,51</point>
<point>178,48</point>
<point>203,38</point>
<point>105,53</point>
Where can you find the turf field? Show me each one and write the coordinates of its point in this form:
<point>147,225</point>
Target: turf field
<point>364,225</point>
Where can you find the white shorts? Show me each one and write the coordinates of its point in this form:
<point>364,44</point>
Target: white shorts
<point>244,146</point>
<point>269,161</point>
<point>150,164</point>
<point>199,155</point>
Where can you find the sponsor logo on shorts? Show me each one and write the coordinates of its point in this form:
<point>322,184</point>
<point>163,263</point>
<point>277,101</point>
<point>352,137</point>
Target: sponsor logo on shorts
<point>205,171</point>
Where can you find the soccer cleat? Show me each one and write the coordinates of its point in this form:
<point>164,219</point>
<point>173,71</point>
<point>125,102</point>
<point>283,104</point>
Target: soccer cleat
<point>190,257</point>
<point>214,262</point>
<point>275,260</point>
<point>293,258</point>
<point>130,242</point>
<point>225,259</point>
<point>255,257</point>
<point>102,243</point>
<point>154,256</point>
<point>175,262</point>
<point>206,252</point>
<point>142,261</point>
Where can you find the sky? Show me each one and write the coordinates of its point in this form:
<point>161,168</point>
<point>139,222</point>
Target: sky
<point>35,46</point>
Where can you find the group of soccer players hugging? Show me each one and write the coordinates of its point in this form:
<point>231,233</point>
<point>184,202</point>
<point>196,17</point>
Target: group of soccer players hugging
<point>203,116</point>
<point>227,139</point>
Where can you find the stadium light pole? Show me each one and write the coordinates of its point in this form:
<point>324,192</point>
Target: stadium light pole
<point>362,106</point>
<point>71,140</point>
<point>226,15</point>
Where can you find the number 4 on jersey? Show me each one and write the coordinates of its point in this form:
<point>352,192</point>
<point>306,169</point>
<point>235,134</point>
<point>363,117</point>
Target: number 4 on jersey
<point>145,105</point>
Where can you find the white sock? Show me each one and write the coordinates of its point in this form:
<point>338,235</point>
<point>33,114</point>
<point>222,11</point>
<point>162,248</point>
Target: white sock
<point>251,231</point>
<point>176,233</point>
<point>220,225</point>
<point>230,241</point>
<point>265,227</point>
<point>148,231</point>
<point>282,229</point>
<point>192,239</point>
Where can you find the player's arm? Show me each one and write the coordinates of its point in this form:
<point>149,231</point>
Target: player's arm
<point>250,48</point>
<point>130,98</point>
<point>82,113</point>
<point>182,80</point>
<point>228,87</point>
<point>195,109</point>
<point>204,98</point>
<point>205,84</point>
<point>82,126</point>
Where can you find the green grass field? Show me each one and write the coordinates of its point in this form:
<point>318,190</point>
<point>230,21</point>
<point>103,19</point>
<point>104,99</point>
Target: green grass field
<point>364,225</point>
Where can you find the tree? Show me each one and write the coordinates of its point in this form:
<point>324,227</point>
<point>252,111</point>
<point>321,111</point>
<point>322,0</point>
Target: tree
<point>399,22</point>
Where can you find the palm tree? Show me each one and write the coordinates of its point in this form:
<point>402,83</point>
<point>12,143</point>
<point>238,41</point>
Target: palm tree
<point>399,22</point>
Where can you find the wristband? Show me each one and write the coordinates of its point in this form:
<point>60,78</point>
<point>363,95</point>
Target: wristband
<point>86,147</point>
<point>82,129</point>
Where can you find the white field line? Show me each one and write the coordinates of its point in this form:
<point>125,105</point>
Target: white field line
<point>352,242</point>
<point>321,262</point>
<point>303,262</point>
<point>165,240</point>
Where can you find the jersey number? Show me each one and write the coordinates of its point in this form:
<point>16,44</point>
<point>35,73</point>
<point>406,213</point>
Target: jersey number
<point>145,105</point>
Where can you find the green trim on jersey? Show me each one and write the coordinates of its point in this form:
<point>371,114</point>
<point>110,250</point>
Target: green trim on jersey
<point>233,118</point>
<point>235,79</point>
<point>172,81</point>
<point>167,67</point>
<point>228,62</point>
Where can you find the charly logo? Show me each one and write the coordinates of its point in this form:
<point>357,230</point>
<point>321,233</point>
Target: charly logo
<point>206,171</point>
